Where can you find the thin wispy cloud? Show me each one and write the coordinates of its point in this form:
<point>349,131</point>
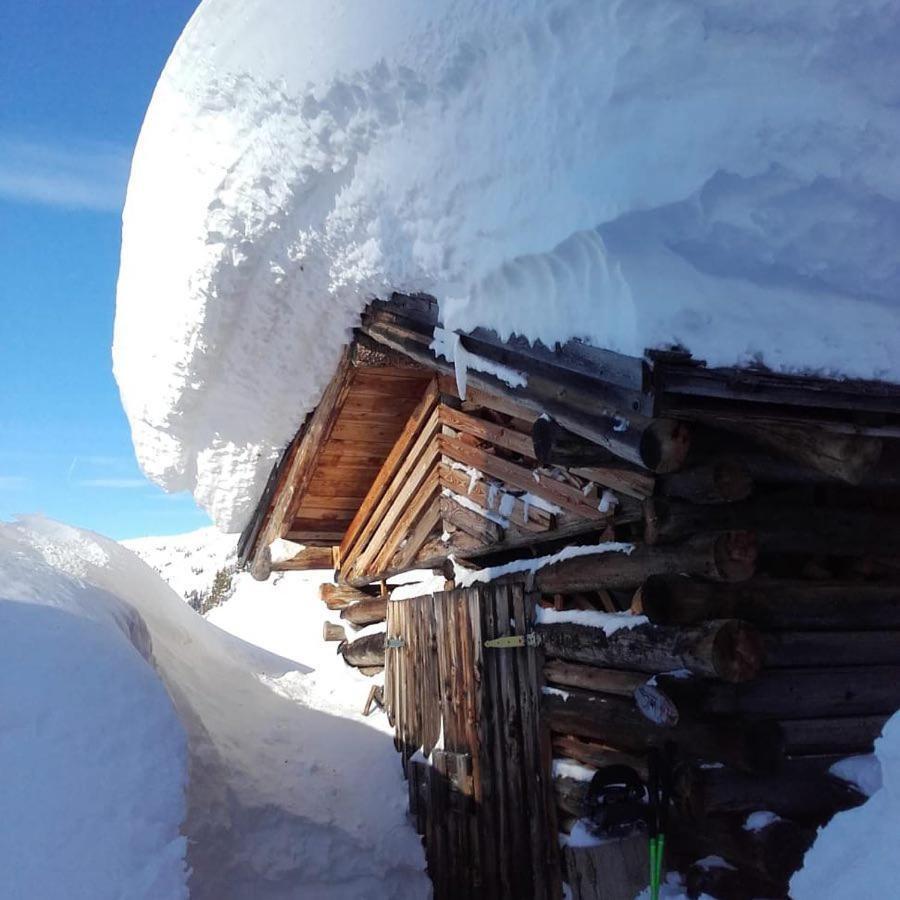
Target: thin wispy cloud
<point>12,482</point>
<point>74,175</point>
<point>112,483</point>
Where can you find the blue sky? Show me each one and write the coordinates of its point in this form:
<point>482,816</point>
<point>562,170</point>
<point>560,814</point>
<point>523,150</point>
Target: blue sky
<point>75,80</point>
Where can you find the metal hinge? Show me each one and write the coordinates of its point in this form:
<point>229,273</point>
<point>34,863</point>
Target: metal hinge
<point>394,643</point>
<point>531,639</point>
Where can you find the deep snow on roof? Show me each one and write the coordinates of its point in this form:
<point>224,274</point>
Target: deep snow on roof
<point>707,173</point>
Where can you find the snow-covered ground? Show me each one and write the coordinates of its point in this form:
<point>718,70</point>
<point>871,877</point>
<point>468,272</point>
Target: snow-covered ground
<point>289,791</point>
<point>722,175</point>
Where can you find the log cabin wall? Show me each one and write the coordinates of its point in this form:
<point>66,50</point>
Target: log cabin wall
<point>751,520</point>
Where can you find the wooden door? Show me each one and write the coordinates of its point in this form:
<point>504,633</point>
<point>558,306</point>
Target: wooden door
<point>481,796</point>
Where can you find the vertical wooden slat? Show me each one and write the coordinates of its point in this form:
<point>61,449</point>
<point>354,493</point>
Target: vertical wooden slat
<point>498,756</point>
<point>510,719</point>
<point>532,770</point>
<point>483,775</point>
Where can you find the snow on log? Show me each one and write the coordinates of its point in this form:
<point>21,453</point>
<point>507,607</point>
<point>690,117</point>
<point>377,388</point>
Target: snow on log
<point>722,557</point>
<point>727,649</point>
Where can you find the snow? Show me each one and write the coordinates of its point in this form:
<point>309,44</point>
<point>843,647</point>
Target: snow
<point>93,756</point>
<point>580,836</point>
<point>854,855</point>
<point>467,577</point>
<point>760,820</point>
<point>568,768</point>
<point>863,772</point>
<point>712,174</point>
<point>609,623</point>
<point>289,787</point>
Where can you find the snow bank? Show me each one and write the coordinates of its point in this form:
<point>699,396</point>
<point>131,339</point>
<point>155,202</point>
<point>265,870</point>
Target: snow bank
<point>283,798</point>
<point>92,755</point>
<point>854,856</point>
<point>701,172</point>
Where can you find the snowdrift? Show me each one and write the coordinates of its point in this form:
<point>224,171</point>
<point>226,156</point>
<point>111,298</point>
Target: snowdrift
<point>854,855</point>
<point>281,799</point>
<point>92,753</point>
<point>706,173</point>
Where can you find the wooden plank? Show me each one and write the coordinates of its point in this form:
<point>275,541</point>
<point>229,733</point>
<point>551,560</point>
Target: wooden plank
<point>634,482</point>
<point>422,530</point>
<point>308,558</point>
<point>299,469</point>
<point>399,459</point>
<point>529,711</point>
<point>413,470</point>
<point>507,438</point>
<point>498,757</point>
<point>421,498</point>
<point>557,493</point>
<point>508,406</point>
<point>454,480</point>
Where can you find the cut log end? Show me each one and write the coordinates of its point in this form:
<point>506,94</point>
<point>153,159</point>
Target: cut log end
<point>738,651</point>
<point>735,555</point>
<point>332,632</point>
<point>664,445</point>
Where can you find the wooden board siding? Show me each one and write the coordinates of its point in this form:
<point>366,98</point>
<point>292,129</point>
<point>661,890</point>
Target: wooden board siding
<point>484,804</point>
<point>375,406</point>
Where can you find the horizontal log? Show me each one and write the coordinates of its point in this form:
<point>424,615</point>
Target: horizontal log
<point>833,648</point>
<point>776,850</point>
<point>844,734</point>
<point>726,649</point>
<point>365,612</point>
<point>306,559</point>
<point>792,693</point>
<point>365,651</point>
<point>775,604</point>
<point>846,457</point>
<point>554,445</point>
<point>337,596</point>
<point>332,632</point>
<point>722,557</point>
<point>810,797</point>
<point>781,527</point>
<point>591,678</point>
<point>723,480</point>
<point>617,722</point>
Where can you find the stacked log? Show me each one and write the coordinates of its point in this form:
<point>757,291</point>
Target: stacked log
<point>787,637</point>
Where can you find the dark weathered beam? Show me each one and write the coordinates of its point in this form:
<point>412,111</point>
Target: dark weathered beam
<point>772,603</point>
<point>792,693</point>
<point>781,525</point>
<point>617,722</point>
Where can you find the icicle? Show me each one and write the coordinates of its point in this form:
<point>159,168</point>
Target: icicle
<point>492,495</point>
<point>507,503</point>
<point>460,366</point>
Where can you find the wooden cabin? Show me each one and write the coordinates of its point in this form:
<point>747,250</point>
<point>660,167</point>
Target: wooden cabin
<point>641,556</point>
